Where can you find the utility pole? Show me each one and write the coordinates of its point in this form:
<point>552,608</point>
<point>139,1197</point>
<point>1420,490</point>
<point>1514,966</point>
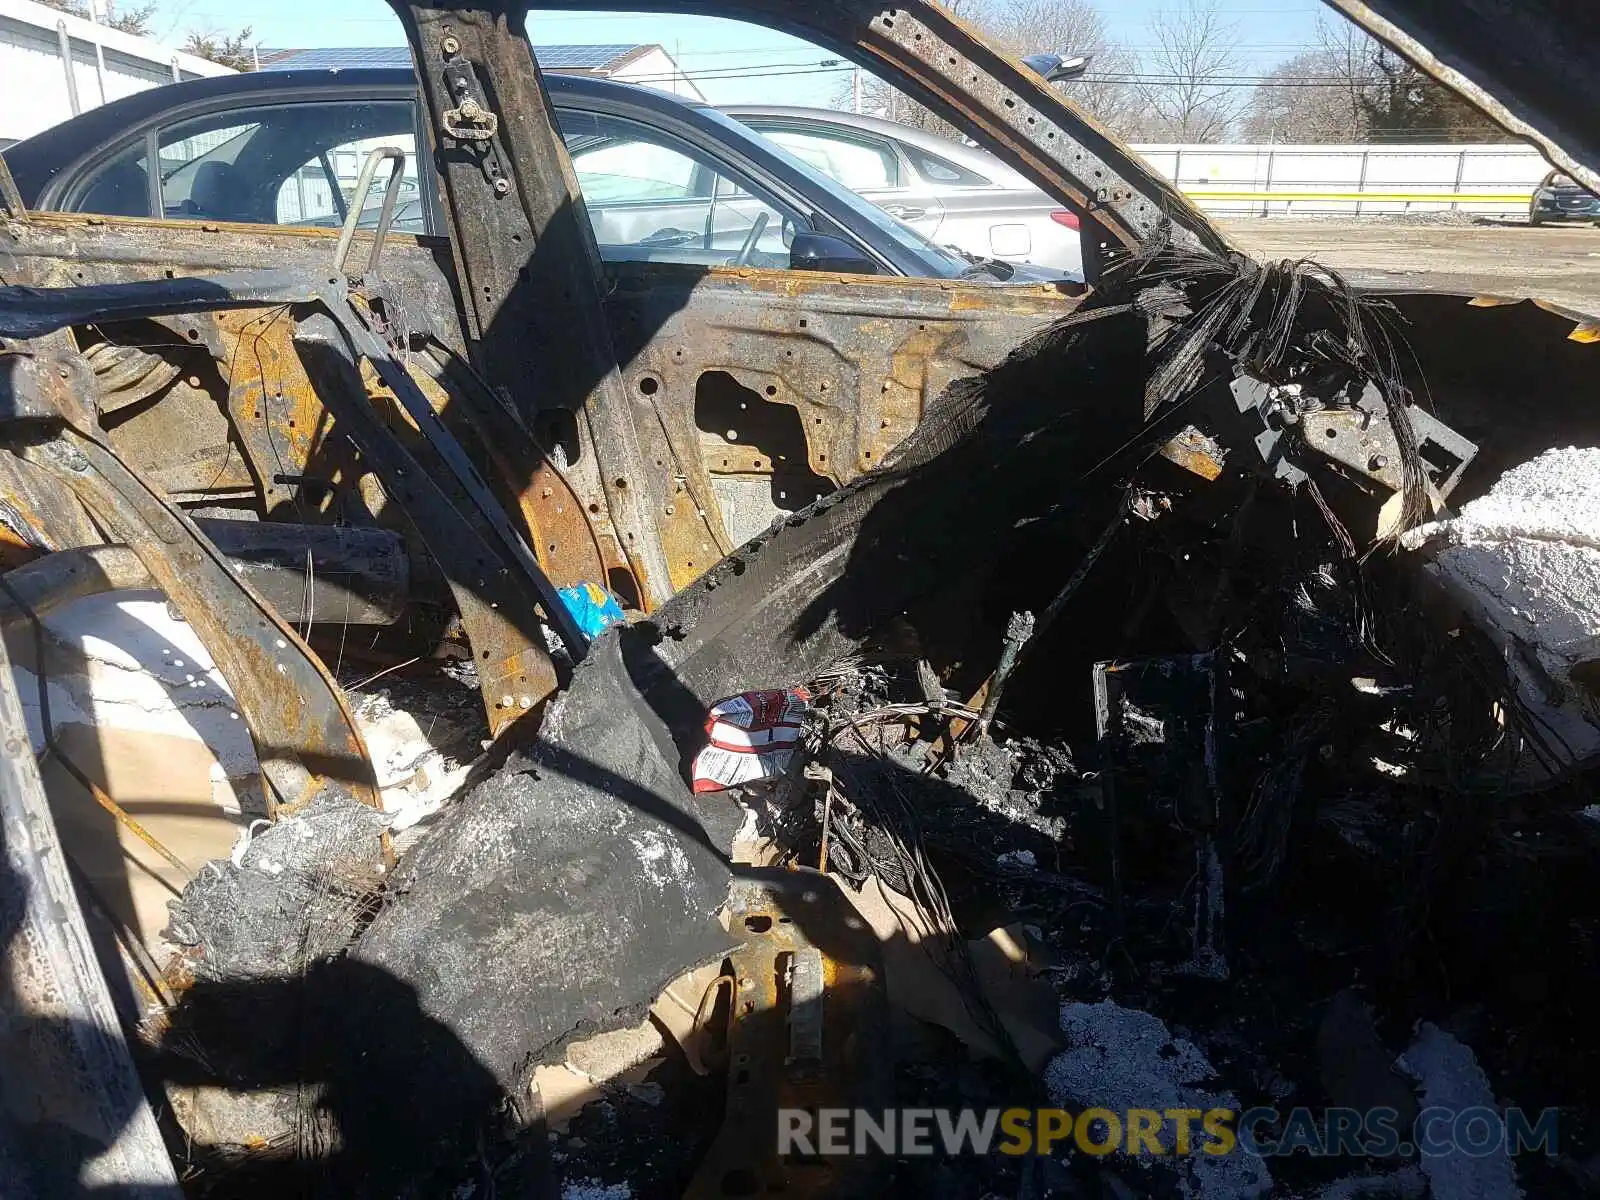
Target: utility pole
<point>855,81</point>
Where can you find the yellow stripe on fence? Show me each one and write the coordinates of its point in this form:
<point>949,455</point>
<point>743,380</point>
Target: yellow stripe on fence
<point>1359,197</point>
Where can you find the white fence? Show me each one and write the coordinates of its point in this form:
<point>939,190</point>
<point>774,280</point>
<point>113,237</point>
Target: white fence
<point>1493,180</point>
<point>54,65</point>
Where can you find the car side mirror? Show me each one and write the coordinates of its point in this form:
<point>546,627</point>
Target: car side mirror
<point>1057,67</point>
<point>824,252</point>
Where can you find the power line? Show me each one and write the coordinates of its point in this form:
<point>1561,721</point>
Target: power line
<point>1151,78</point>
<point>1202,81</point>
<point>783,70</point>
<point>726,53</point>
<point>248,18</point>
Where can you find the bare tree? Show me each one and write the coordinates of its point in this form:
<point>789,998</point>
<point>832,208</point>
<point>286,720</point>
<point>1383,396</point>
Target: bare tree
<point>134,19</point>
<point>883,99</point>
<point>1347,53</point>
<point>1326,94</point>
<point>1023,27</point>
<point>1352,88</point>
<point>1190,80</point>
<point>1405,104</point>
<point>1307,99</point>
<point>236,50</point>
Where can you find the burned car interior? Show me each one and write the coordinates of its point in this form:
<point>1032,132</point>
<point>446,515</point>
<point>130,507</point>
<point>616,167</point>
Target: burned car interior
<point>1218,637</point>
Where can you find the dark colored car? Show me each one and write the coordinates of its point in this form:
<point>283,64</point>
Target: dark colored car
<point>664,180</point>
<point>1559,198</point>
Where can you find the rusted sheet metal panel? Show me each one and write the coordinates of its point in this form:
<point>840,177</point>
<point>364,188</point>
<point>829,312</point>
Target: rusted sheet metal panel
<point>562,519</point>
<point>66,1061</point>
<point>61,249</point>
<point>38,514</point>
<point>692,533</point>
<point>1013,113</point>
<point>281,423</point>
<point>1196,452</point>
<point>515,673</point>
<point>855,358</point>
<point>183,442</point>
<point>569,548</point>
<point>41,384</point>
<point>241,388</point>
<point>1529,65</point>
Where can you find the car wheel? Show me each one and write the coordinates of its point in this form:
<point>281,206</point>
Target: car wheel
<point>1534,218</point>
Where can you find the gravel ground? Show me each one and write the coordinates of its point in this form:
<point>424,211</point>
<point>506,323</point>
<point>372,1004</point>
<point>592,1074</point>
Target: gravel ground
<point>1559,263</point>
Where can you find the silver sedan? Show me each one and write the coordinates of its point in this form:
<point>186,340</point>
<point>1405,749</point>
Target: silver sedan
<point>956,195</point>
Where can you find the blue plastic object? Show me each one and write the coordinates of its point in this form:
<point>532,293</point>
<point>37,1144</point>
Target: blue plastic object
<point>592,607</point>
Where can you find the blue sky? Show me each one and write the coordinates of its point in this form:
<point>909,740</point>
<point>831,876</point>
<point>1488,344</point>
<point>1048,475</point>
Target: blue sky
<point>781,69</point>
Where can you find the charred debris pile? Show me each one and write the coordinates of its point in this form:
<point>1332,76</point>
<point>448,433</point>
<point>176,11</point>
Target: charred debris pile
<point>1144,657</point>
<point>1231,746</point>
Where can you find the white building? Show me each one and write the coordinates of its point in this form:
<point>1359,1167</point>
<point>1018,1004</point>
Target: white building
<point>54,65</point>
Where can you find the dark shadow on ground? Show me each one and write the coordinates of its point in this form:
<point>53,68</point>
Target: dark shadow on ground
<point>401,1107</point>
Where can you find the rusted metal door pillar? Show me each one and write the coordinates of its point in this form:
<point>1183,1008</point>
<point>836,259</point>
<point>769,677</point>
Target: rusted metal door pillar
<point>525,252</point>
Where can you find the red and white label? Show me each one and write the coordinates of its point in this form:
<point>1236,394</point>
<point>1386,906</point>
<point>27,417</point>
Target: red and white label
<point>752,737</point>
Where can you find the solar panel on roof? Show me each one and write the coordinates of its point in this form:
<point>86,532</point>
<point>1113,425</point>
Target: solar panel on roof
<point>590,58</point>
<point>341,57</point>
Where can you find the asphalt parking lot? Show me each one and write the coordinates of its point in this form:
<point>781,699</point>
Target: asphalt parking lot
<point>1560,263</point>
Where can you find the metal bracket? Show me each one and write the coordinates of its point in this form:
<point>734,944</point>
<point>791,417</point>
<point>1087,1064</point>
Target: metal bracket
<point>391,193</point>
<point>484,124</point>
<point>1362,438</point>
<point>806,1029</point>
<point>1359,436</point>
<point>1276,409</point>
<point>469,120</point>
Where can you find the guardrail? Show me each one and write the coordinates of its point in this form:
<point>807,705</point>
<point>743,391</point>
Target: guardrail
<point>1279,179</point>
<point>1288,198</point>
